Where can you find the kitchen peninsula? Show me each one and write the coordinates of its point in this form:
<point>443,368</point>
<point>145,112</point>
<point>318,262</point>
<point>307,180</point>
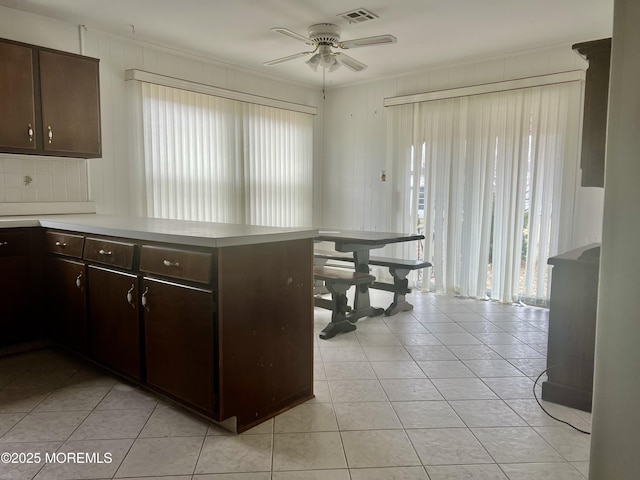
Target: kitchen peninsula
<point>217,317</point>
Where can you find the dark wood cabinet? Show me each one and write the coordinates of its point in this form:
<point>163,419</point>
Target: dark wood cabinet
<point>17,96</point>
<point>54,100</point>
<point>66,285</point>
<point>16,312</point>
<point>572,327</point>
<point>70,104</point>
<point>113,302</point>
<point>226,331</point>
<point>596,101</point>
<point>265,325</point>
<point>179,341</point>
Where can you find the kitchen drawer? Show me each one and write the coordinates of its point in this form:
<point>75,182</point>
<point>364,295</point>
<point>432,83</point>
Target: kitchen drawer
<point>13,244</point>
<point>174,263</point>
<point>109,252</point>
<point>65,243</point>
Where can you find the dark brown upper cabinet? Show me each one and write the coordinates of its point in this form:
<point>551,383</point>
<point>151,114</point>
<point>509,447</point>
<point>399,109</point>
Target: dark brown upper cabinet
<point>17,102</point>
<point>49,102</point>
<point>596,99</point>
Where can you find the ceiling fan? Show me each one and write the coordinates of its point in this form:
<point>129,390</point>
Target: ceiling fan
<point>324,37</point>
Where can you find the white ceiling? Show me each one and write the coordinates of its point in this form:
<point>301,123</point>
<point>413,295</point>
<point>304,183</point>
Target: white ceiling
<point>429,32</point>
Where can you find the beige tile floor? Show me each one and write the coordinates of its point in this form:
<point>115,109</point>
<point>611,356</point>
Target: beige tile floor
<point>444,392</point>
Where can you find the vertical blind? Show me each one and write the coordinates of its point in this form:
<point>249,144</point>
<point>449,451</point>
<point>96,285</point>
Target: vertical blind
<point>209,158</point>
<point>490,168</point>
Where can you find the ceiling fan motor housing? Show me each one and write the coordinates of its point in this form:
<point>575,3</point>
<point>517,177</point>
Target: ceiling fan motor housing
<point>325,33</point>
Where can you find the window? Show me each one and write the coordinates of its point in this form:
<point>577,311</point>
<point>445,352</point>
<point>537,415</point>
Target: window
<point>216,159</point>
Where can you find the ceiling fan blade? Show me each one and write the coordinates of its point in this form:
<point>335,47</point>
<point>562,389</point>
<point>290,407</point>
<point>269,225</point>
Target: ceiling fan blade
<point>350,62</point>
<point>288,33</point>
<point>285,59</point>
<point>366,41</point>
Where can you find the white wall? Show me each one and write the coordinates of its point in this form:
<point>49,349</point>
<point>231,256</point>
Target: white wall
<point>355,149</point>
<point>616,422</point>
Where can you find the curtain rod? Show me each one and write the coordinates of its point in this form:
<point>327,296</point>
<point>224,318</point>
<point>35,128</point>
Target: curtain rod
<point>166,81</point>
<point>538,81</point>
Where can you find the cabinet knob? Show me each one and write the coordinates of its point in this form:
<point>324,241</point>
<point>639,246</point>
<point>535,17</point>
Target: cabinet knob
<point>60,244</point>
<point>102,251</point>
<point>50,134</point>
<point>130,296</point>
<point>169,263</point>
<point>79,281</point>
<point>30,133</point>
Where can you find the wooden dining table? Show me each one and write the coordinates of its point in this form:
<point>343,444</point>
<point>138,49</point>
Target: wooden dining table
<point>360,243</point>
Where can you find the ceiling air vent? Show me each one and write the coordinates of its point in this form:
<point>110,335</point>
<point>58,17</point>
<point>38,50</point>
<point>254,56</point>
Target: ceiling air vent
<point>358,15</point>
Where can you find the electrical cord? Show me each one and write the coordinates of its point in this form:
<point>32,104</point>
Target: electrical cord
<point>545,411</point>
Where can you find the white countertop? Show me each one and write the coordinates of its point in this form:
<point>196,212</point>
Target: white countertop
<point>204,234</point>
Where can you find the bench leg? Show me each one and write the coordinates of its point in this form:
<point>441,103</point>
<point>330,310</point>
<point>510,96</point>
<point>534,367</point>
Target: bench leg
<point>318,285</point>
<point>339,309</point>
<point>401,288</point>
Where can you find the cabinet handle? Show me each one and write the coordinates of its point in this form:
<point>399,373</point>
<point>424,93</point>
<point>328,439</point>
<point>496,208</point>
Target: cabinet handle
<point>30,133</point>
<point>50,134</point>
<point>79,281</point>
<point>60,244</point>
<point>102,251</point>
<point>130,296</point>
<point>169,263</point>
<point>3,243</point>
<point>144,298</point>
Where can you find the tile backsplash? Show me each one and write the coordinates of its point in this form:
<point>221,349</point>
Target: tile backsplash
<point>42,179</point>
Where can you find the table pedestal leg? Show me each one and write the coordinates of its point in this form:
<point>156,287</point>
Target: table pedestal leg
<point>362,302</point>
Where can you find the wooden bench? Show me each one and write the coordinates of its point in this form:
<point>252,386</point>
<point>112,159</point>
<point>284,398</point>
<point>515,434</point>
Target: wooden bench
<point>399,270</point>
<point>337,282</point>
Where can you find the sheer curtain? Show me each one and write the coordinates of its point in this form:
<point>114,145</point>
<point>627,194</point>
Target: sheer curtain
<point>209,158</point>
<point>491,167</point>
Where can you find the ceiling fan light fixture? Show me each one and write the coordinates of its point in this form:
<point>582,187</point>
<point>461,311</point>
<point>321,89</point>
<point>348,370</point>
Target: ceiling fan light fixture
<point>335,65</point>
<point>327,58</point>
<point>313,62</point>
<point>324,58</point>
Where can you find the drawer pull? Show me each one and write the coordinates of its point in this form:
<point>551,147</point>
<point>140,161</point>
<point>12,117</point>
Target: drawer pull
<point>169,263</point>
<point>61,244</point>
<point>50,134</point>
<point>130,296</point>
<point>102,251</point>
<point>30,133</point>
<point>144,298</point>
<point>79,281</point>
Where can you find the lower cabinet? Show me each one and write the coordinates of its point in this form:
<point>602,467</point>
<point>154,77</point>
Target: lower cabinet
<point>179,341</point>
<point>66,282</point>
<point>204,326</point>
<point>114,319</point>
<point>572,328</point>
<point>15,287</point>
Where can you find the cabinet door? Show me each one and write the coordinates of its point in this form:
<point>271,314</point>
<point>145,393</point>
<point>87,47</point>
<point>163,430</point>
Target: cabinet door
<point>14,285</point>
<point>17,102</point>
<point>115,322</point>
<point>179,341</point>
<point>66,283</point>
<point>70,94</point>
